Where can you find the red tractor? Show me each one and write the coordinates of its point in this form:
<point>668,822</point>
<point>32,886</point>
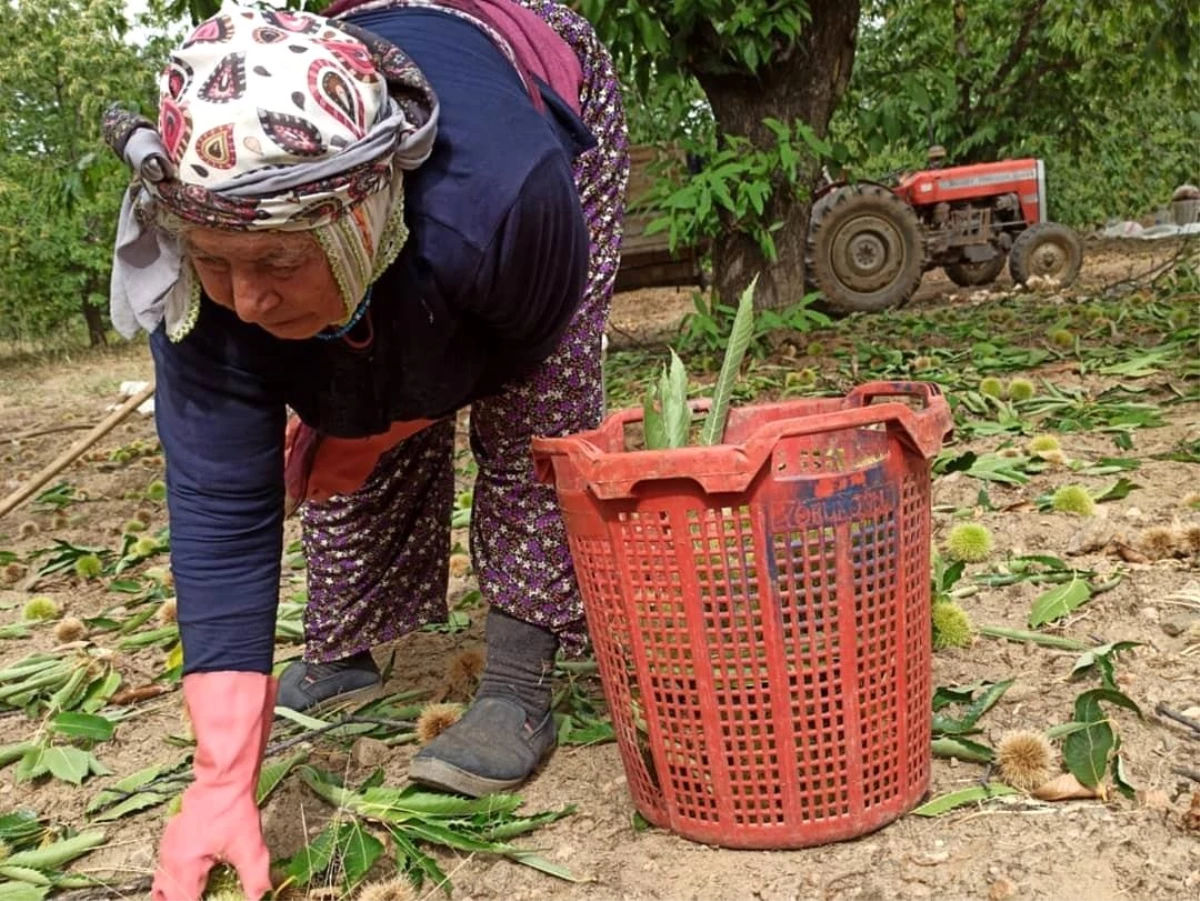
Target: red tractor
<point>869,244</point>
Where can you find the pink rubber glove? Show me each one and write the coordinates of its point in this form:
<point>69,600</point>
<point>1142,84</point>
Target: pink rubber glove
<point>231,715</point>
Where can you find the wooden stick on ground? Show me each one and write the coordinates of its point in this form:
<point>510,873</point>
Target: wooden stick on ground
<point>1164,710</point>
<point>37,433</point>
<point>72,453</point>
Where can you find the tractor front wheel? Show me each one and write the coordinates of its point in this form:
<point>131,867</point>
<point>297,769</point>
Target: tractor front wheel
<point>968,275</point>
<point>1048,250</point>
<point>865,249</point>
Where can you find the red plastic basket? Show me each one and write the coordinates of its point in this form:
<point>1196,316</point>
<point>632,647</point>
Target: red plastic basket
<point>760,612</point>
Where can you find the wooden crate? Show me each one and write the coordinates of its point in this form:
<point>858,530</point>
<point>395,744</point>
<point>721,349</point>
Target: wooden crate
<point>647,260</point>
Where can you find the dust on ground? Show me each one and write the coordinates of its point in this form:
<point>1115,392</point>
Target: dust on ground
<point>1086,849</point>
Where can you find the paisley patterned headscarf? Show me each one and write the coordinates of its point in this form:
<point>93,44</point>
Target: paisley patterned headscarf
<point>268,120</point>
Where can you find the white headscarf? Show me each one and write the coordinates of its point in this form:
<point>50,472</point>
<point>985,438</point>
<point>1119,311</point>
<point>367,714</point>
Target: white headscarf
<point>268,120</point>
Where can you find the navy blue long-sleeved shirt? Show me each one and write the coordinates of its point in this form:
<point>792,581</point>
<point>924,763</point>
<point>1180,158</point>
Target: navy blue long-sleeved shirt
<point>492,273</point>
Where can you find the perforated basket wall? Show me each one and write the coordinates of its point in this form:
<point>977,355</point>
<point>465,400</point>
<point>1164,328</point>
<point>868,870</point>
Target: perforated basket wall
<point>760,614</point>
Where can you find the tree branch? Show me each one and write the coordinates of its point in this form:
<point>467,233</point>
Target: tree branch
<point>1032,16</point>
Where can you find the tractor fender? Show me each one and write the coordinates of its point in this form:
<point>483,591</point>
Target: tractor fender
<point>829,188</point>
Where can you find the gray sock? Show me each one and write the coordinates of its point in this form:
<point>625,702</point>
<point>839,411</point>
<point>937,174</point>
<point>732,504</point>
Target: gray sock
<point>520,664</point>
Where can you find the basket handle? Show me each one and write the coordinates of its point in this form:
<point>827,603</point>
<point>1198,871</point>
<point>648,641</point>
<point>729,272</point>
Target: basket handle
<point>614,426</point>
<point>923,430</point>
<point>730,468</point>
<point>868,391</point>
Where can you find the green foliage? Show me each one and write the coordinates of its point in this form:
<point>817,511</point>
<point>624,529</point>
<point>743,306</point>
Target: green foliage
<point>670,108</point>
<point>36,853</point>
<point>1091,740</point>
<point>61,63</point>
<point>649,38</point>
<point>667,417</point>
<point>713,431</point>
<point>1059,601</point>
<point>949,732</point>
<point>707,330</point>
<point>716,78</point>
<point>955,799</point>
<point>1103,92</point>
<point>346,851</point>
<point>943,697</point>
<point>734,189</point>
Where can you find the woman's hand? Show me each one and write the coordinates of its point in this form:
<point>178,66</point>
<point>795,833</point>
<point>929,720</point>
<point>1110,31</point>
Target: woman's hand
<point>231,715</point>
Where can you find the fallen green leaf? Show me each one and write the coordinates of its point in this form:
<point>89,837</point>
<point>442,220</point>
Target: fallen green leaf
<point>138,802</point>
<point>129,783</point>
<point>956,799</point>
<point>359,853</point>
<point>962,749</point>
<point>1020,635</point>
<point>24,874</point>
<point>68,764</point>
<point>99,692</point>
<point>964,725</point>
<point>19,826</point>
<point>944,696</point>
<point>1102,659</point>
<point>275,772</point>
<point>530,859</point>
<point>1063,730</point>
<point>1109,466</point>
<point>12,753</point>
<point>57,854</point>
<point>22,891</point>
<point>1087,705</point>
<point>1086,752</point>
<point>1058,602</point>
<point>1118,491</point>
<point>1120,777</point>
<point>83,725</point>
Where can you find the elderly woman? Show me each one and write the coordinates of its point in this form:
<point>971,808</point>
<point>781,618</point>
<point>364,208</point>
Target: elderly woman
<point>374,219</point>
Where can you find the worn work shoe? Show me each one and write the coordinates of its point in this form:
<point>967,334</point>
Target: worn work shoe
<point>311,686</point>
<point>493,748</point>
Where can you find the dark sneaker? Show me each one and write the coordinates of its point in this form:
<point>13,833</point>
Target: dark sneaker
<point>493,748</point>
<point>311,686</point>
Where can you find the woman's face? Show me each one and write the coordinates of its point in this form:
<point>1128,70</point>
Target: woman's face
<point>280,281</point>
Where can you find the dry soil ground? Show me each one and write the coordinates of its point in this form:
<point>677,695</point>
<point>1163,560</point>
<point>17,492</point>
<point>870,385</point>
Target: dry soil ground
<point>1122,849</point>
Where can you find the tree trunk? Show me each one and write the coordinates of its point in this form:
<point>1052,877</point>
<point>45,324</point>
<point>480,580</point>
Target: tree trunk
<point>97,334</point>
<point>805,82</point>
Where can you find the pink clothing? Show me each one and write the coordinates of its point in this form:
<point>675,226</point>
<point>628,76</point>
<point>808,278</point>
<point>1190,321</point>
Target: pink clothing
<point>536,45</point>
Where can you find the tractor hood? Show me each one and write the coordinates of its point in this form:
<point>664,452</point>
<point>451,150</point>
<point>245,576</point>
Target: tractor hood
<point>1024,177</point>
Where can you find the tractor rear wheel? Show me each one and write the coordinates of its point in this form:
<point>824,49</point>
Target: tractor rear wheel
<point>865,249</point>
<point>968,275</point>
<point>1048,250</point>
